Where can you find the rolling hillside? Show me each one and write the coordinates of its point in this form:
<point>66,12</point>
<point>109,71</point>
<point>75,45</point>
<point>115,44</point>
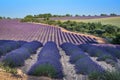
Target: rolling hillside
<point>15,30</point>
<point>39,51</point>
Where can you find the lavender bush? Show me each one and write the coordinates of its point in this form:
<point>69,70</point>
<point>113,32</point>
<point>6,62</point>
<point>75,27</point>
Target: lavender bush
<point>73,51</point>
<point>32,46</point>
<point>118,47</point>
<point>76,56</point>
<point>100,53</point>
<point>22,42</point>
<point>9,46</point>
<point>4,41</point>
<point>46,51</point>
<point>83,64</point>
<point>86,66</point>
<point>113,51</point>
<point>70,48</point>
<point>54,69</point>
<point>16,57</point>
<point>48,63</point>
<point>84,47</point>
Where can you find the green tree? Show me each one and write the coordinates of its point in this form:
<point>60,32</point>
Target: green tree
<point>113,14</point>
<point>83,15</point>
<point>8,18</point>
<point>116,40</point>
<point>89,15</point>
<point>28,16</point>
<point>68,15</point>
<point>0,17</point>
<point>77,15</point>
<point>103,14</point>
<point>110,29</point>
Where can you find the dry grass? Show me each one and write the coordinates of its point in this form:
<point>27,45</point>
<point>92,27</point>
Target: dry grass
<point>21,76</point>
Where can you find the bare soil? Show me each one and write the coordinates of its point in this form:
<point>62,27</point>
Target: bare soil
<point>9,76</point>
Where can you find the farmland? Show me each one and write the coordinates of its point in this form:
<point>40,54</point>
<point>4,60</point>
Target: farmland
<point>38,50</point>
<point>14,30</point>
<point>104,20</point>
<point>60,40</point>
<point>109,32</point>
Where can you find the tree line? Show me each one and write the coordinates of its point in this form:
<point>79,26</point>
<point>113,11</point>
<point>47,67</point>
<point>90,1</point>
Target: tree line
<point>5,17</point>
<point>48,15</point>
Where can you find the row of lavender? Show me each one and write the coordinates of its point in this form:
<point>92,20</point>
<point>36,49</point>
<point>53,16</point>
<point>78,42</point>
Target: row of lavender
<point>9,45</point>
<point>48,62</point>
<point>14,30</point>
<point>18,56</point>
<point>103,52</point>
<point>83,63</point>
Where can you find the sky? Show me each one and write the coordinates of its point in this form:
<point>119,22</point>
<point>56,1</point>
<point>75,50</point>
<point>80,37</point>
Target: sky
<point>21,8</point>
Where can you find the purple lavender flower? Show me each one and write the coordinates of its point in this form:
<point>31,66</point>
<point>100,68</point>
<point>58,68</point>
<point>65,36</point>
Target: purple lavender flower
<point>86,66</point>
<point>48,63</point>
<point>9,46</point>
<point>83,64</point>
<point>101,53</point>
<point>16,57</point>
<point>32,46</point>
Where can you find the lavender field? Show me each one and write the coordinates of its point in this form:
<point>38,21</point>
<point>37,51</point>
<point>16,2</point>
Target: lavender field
<point>15,30</point>
<point>59,40</point>
<point>44,50</point>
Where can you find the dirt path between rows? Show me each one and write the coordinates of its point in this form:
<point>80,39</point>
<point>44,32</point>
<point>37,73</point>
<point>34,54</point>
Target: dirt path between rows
<point>69,69</point>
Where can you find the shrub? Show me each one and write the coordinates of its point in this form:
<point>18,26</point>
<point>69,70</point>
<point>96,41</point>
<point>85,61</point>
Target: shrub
<point>9,46</point>
<point>8,69</point>
<point>47,53</point>
<point>100,53</point>
<point>113,51</point>
<point>55,65</point>
<point>43,69</point>
<point>95,76</point>
<point>83,64</point>
<point>4,41</point>
<point>32,46</point>
<point>70,48</point>
<point>116,40</point>
<point>76,56</point>
<point>16,57</point>
<point>84,47</point>
<point>86,66</point>
<point>48,63</point>
<point>108,75</point>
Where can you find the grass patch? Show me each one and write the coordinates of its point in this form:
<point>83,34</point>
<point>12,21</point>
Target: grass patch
<point>108,75</point>
<point>45,70</point>
<point>8,69</point>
